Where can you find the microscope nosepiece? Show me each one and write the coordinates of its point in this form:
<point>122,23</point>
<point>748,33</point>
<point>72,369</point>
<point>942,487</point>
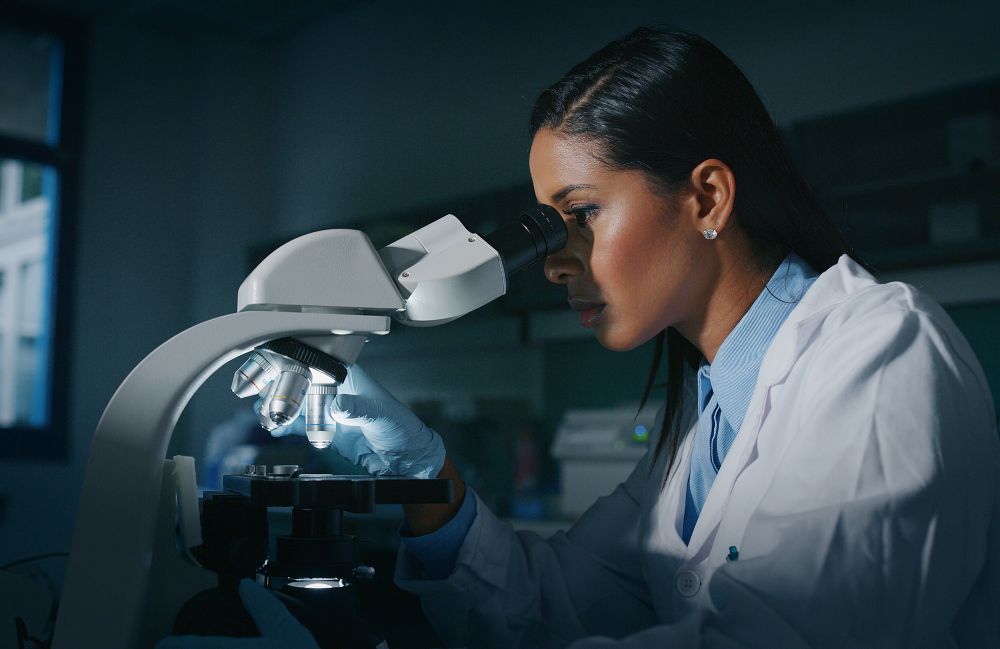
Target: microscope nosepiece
<point>289,392</point>
<point>253,375</point>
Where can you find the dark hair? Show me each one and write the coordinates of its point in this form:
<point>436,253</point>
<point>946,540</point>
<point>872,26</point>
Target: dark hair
<point>663,101</point>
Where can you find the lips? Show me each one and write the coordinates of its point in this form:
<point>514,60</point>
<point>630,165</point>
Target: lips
<point>590,311</point>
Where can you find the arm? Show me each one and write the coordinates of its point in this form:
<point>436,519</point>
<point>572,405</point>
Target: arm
<point>547,592</point>
<point>517,590</point>
<point>424,519</point>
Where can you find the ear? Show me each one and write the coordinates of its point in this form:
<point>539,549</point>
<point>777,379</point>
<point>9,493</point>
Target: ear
<point>713,188</point>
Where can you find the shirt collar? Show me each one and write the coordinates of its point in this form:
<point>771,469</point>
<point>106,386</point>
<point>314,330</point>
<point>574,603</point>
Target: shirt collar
<point>733,375</point>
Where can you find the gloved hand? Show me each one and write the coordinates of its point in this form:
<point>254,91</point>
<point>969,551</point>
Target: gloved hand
<point>381,434</point>
<point>278,628</point>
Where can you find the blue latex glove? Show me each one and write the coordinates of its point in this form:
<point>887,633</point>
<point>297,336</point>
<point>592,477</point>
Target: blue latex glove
<point>381,434</point>
<point>278,628</point>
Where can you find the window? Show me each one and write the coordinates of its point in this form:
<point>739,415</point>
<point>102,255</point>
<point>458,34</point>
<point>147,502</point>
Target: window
<point>40,62</point>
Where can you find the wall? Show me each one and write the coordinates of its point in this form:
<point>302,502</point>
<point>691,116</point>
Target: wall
<point>198,149</point>
<point>172,188</point>
<point>233,204</point>
<point>386,107</point>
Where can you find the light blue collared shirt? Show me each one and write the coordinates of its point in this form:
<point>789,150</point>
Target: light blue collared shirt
<point>725,386</point>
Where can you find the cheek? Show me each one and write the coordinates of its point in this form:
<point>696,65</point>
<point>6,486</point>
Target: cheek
<point>633,262</point>
<point>638,279</point>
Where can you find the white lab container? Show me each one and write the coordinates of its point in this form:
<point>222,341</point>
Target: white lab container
<point>596,450</point>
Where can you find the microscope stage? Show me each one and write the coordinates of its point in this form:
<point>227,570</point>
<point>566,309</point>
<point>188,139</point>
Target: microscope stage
<point>352,493</point>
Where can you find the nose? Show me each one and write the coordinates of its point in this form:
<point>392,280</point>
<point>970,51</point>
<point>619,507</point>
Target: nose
<point>565,264</point>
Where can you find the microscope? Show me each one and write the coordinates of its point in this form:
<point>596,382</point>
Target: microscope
<point>145,552</point>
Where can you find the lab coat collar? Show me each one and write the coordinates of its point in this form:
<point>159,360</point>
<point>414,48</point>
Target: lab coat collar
<point>733,374</point>
<point>831,288</point>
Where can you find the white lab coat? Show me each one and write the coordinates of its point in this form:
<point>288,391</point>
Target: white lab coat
<point>862,493</point>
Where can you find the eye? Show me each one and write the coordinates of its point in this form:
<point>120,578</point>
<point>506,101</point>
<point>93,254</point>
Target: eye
<point>582,213</point>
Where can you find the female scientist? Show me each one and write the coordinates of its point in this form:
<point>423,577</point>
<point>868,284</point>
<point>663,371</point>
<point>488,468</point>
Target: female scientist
<point>827,468</point>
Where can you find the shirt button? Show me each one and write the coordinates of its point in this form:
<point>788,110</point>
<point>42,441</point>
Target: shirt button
<point>687,583</point>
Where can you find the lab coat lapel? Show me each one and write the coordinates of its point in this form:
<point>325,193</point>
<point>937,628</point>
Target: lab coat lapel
<point>669,518</point>
<point>830,288</point>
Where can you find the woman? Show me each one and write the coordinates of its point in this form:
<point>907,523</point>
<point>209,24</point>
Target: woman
<point>826,469</point>
<point>830,475</point>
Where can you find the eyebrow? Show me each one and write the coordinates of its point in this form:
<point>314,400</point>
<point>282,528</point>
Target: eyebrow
<point>562,193</point>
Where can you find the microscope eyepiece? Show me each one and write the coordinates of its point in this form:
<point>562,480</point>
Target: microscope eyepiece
<point>537,233</point>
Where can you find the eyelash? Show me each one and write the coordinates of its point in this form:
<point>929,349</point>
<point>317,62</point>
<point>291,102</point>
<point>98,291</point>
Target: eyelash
<point>583,214</point>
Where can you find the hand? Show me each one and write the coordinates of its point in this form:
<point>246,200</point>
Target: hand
<point>381,434</point>
<point>278,628</point>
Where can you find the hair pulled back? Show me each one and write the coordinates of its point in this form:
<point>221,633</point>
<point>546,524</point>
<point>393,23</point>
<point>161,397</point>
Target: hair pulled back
<point>663,101</point>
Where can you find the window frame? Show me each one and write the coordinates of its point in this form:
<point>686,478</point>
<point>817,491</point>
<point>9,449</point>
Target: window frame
<point>51,442</point>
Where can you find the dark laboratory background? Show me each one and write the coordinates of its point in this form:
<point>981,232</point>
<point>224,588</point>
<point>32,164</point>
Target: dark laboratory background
<point>152,152</point>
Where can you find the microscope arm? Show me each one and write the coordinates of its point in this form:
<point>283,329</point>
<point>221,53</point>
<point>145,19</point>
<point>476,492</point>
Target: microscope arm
<point>107,582</point>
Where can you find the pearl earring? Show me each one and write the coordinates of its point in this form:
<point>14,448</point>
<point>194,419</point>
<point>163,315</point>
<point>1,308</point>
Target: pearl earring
<point>710,233</point>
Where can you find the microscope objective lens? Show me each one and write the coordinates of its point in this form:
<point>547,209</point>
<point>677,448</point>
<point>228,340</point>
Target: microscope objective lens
<point>320,425</point>
<point>253,376</point>
<point>289,393</point>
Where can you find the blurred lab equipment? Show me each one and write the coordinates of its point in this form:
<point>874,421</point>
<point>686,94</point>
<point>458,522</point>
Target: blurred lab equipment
<point>306,311</point>
<point>597,449</point>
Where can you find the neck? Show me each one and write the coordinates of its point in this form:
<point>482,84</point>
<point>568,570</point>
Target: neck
<point>739,282</point>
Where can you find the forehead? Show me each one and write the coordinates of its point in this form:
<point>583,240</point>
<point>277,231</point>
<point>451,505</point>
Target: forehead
<point>559,160</point>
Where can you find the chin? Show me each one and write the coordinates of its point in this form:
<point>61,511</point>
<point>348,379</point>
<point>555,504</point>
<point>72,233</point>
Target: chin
<point>617,341</point>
